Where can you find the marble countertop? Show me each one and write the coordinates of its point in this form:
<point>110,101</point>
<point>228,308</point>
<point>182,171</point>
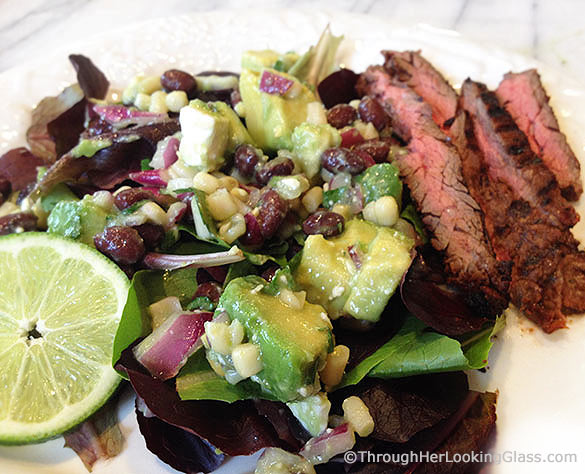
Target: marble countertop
<point>549,30</point>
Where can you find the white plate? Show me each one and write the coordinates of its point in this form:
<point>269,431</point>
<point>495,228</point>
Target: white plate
<point>540,378</point>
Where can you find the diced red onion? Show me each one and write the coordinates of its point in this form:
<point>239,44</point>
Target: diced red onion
<point>351,137</point>
<point>356,255</point>
<point>160,261</point>
<point>274,83</point>
<point>168,347</point>
<point>340,180</point>
<point>222,317</point>
<point>331,442</point>
<point>118,114</point>
<point>170,153</point>
<point>175,213</point>
<point>357,200</point>
<point>155,178</point>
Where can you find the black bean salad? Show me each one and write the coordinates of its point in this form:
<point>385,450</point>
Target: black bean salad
<point>266,232</point>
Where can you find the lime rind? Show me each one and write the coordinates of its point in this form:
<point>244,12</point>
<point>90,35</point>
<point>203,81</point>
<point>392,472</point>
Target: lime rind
<point>75,297</point>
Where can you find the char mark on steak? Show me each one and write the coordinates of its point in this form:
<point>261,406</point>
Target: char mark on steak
<point>525,99</point>
<point>432,171</point>
<point>411,69</point>
<point>509,158</point>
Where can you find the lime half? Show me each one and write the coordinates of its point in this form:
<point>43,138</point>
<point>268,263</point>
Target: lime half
<point>60,304</point>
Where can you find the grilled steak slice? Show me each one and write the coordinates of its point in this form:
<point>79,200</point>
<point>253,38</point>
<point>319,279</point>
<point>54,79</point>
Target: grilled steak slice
<point>509,158</point>
<point>432,172</point>
<point>410,68</point>
<point>524,97</point>
<point>548,271</point>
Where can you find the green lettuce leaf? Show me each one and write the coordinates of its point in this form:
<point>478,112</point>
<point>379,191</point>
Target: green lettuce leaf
<point>319,61</point>
<point>416,350</point>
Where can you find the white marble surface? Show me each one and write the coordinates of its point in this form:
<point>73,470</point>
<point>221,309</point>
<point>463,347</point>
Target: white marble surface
<point>552,31</point>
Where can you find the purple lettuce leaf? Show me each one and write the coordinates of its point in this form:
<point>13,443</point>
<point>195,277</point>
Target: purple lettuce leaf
<point>177,447</point>
<point>55,122</point>
<point>98,437</point>
<point>426,295</point>
<point>287,425</point>
<point>338,88</point>
<point>460,421</point>
<point>234,428</point>
<point>113,164</point>
<point>92,81</point>
<point>19,166</point>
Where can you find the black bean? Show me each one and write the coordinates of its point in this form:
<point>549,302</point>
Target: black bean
<point>370,110</point>
<point>253,236</point>
<point>339,160</point>
<point>268,273</point>
<point>122,244</point>
<point>245,160</point>
<point>341,115</point>
<point>177,80</point>
<point>271,213</point>
<point>13,222</point>
<point>325,223</point>
<point>128,197</point>
<point>377,149</point>
<point>210,289</point>
<point>280,166</point>
<point>152,234</point>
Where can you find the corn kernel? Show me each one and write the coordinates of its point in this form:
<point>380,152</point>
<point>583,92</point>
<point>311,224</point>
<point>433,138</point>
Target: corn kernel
<point>142,101</point>
<point>247,360</point>
<point>316,113</point>
<point>103,199</point>
<point>367,130</point>
<point>290,299</point>
<point>228,182</point>
<point>221,205</point>
<point>173,213</point>
<point>129,93</point>
<point>233,229</point>
<point>158,102</point>
<point>205,182</point>
<point>176,100</point>
<point>343,210</point>
<point>154,213</point>
<point>237,332</point>
<point>358,416</point>
<point>313,199</point>
<point>162,309</point>
<point>219,337</point>
<point>369,212</point>
<point>332,373</point>
<point>149,84</point>
<point>386,211</point>
<point>240,194</point>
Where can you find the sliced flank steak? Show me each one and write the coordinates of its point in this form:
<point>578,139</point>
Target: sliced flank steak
<point>509,158</point>
<point>432,171</point>
<point>530,228</point>
<point>411,69</point>
<point>525,99</point>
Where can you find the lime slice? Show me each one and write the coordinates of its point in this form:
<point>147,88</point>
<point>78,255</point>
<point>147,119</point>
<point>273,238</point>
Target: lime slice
<point>60,304</point>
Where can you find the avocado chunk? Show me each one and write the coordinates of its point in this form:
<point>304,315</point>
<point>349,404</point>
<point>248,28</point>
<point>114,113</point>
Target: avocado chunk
<point>258,60</point>
<point>380,180</point>
<point>312,412</point>
<point>332,278</point>
<point>294,342</point>
<point>210,131</point>
<point>79,220</point>
<point>309,142</point>
<point>271,118</point>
